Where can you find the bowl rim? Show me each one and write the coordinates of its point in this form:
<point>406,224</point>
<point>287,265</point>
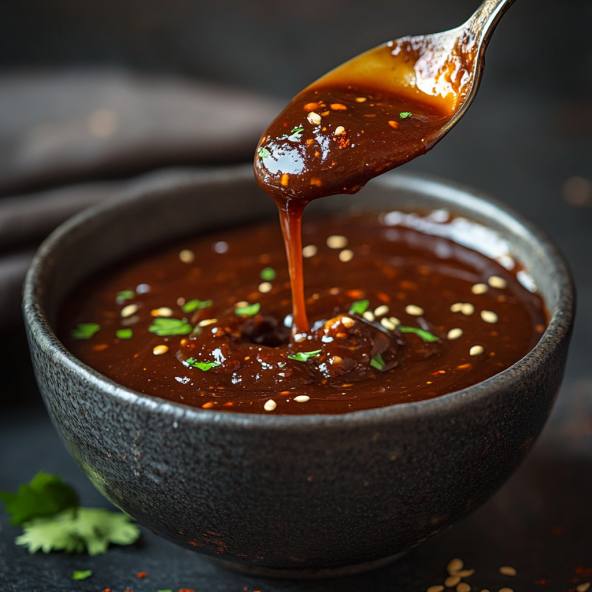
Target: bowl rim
<point>557,331</point>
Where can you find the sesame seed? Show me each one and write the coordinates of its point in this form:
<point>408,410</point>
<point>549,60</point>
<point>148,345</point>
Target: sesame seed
<point>437,588</point>
<point>454,334</point>
<point>337,241</point>
<point>463,587</point>
<point>465,573</point>
<point>451,581</point>
<point>270,405</point>
<point>497,282</point>
<point>314,118</point>
<point>241,304</point>
<point>129,310</point>
<point>506,570</point>
<point>387,324</point>
<point>479,289</point>
<point>265,287</point>
<point>339,130</point>
<point>488,316</point>
<point>346,255</point>
<point>181,301</point>
<point>394,320</point>
<point>160,349</point>
<point>302,399</point>
<point>583,587</point>
<point>393,124</point>
<point>368,315</point>
<point>454,566</point>
<point>381,310</point>
<point>163,311</point>
<point>284,180</point>
<point>338,107</point>
<point>457,307</point>
<point>309,251</point>
<point>186,256</point>
<point>413,310</point>
<point>467,309</point>
<point>476,350</point>
<point>360,99</point>
<point>207,322</point>
<point>348,322</point>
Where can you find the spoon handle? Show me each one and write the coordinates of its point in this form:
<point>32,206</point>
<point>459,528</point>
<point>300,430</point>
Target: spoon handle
<point>483,22</point>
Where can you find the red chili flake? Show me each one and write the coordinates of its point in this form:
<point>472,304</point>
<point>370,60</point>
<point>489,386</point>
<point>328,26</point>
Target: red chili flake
<point>141,574</point>
<point>583,571</point>
<point>185,590</point>
<point>107,590</point>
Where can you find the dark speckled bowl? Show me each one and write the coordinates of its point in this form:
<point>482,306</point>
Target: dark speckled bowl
<point>289,496</point>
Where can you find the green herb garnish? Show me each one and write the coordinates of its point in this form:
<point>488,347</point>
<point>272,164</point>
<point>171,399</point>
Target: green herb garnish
<point>164,327</point>
<point>295,134</point>
<point>124,295</point>
<point>359,307</point>
<point>425,335</point>
<point>303,356</point>
<point>81,575</point>
<point>377,362</point>
<point>124,333</point>
<point>268,274</point>
<point>405,114</point>
<point>203,366</point>
<point>196,304</point>
<point>52,520</point>
<point>263,153</point>
<point>249,310</point>
<point>77,530</point>
<point>46,495</point>
<point>85,330</point>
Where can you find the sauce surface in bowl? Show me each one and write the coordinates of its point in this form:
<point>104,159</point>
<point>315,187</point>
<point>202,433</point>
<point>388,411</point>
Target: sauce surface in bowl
<point>399,312</point>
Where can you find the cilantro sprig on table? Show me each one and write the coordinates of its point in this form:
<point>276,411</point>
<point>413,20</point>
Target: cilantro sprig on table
<point>52,519</point>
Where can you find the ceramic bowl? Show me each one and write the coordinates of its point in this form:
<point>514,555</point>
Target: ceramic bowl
<point>285,495</point>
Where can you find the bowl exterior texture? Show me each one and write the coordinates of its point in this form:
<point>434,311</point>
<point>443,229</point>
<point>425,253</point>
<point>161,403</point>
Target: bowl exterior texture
<point>285,492</point>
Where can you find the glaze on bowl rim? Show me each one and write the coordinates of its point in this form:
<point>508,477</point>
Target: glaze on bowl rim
<point>559,326</point>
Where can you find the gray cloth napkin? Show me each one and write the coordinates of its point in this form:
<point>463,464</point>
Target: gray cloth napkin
<point>65,126</point>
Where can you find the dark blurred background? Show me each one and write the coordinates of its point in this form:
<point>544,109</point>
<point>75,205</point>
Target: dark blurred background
<point>98,97</point>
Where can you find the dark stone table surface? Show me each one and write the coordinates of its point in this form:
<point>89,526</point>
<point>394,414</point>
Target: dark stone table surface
<point>520,150</point>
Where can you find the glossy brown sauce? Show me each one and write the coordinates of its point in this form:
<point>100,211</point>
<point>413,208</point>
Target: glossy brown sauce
<point>403,265</point>
<point>384,309</point>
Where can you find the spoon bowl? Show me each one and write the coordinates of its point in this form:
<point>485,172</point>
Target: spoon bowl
<point>375,112</point>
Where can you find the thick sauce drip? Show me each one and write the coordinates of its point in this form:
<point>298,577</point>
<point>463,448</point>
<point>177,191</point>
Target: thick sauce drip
<point>374,113</point>
<point>420,280</point>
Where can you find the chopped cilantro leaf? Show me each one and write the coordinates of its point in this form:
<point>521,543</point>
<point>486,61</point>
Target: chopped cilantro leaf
<point>196,304</point>
<point>203,366</point>
<point>268,274</point>
<point>124,295</point>
<point>124,333</point>
<point>425,335</point>
<point>405,114</point>
<point>77,530</point>
<point>377,362</point>
<point>166,326</point>
<point>359,307</point>
<point>296,134</point>
<point>81,575</point>
<point>85,330</point>
<point>303,356</point>
<point>263,153</point>
<point>46,495</point>
<point>249,310</point>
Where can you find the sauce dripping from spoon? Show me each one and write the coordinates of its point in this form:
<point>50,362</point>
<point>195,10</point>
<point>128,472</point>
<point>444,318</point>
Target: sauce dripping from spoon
<point>376,112</point>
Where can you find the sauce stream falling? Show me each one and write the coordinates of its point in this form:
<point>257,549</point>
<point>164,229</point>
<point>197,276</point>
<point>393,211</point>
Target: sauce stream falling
<point>366,117</point>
